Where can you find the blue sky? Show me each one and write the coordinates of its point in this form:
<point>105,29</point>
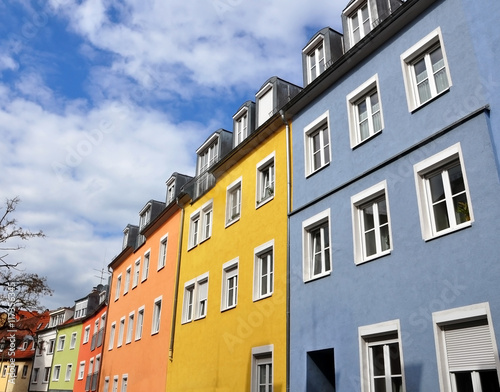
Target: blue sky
<point>101,101</point>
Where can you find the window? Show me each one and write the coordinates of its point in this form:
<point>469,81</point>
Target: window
<point>265,104</point>
<point>115,384</point>
<point>208,156</point>
<point>317,144</point>
<point>263,271</point>
<point>442,190</point>
<point>265,180</point>
<point>24,373</point>
<point>81,370</point>
<point>316,246</point>
<point>162,255</point>
<point>466,349</point>
<point>127,280</point>
<point>118,286</point>
<point>315,58</point>
<point>106,384</point>
<point>72,343</point>
<point>262,369</point>
<point>200,228</point>
<point>137,270</point>
<point>145,267</point>
<point>425,70</point>
<point>86,334</point>
<point>35,375</point>
<point>195,299</point>
<point>170,190</point>
<point>60,344</point>
<point>240,127</point>
<point>370,220</point>
<point>130,327</point>
<point>124,383</point>
<point>24,346</point>
<point>359,23</point>
<point>233,202</point>
<point>81,309</point>
<point>381,358</point>
<point>140,323</point>
<point>229,285</point>
<point>155,327</point>
<point>365,112</point>
<point>121,329</point>
<point>145,217</point>
<point>126,233</point>
<point>46,375</point>
<point>112,336</point>
<point>52,344</point>
<point>4,371</point>
<point>69,368</point>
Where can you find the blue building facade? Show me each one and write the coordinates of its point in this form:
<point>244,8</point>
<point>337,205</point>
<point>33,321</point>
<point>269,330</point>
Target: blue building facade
<point>393,233</point>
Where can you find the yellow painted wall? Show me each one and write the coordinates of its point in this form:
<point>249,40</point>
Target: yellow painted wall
<point>214,353</point>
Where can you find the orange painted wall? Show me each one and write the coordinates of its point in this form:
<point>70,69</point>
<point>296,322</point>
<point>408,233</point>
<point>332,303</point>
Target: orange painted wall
<point>144,361</point>
<point>85,352</point>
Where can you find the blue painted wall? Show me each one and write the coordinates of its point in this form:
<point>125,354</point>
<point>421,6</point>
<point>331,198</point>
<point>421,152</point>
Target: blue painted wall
<point>418,277</point>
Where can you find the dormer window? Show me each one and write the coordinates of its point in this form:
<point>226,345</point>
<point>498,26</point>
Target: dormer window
<point>125,238</point>
<point>170,190</point>
<point>264,104</point>
<point>145,217</point>
<point>315,59</point>
<point>240,127</point>
<point>208,156</point>
<point>360,22</point>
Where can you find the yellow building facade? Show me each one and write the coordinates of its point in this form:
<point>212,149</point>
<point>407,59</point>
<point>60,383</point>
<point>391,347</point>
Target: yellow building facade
<point>230,329</point>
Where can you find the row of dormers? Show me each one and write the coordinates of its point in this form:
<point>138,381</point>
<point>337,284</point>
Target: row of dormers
<point>359,18</point>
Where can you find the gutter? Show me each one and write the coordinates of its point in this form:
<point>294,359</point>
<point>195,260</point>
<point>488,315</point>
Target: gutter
<point>176,289</point>
<point>288,210</point>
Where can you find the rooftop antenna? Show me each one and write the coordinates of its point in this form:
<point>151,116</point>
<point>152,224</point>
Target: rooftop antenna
<point>102,271</point>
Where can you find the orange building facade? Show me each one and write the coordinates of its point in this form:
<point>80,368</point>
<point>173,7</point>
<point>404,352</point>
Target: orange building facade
<point>138,329</point>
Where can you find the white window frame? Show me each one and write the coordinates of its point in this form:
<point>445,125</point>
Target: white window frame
<point>124,383</point>
<point>434,164</point>
<point>46,375</point>
<point>316,47</point>
<point>240,126</point>
<point>57,373</point>
<point>321,125</point>
<point>355,9</point>
<point>230,271</point>
<point>118,286</point>
<point>263,355</point>
<point>52,345</point>
<point>156,323</point>
<point>72,342</point>
<point>369,196</point>
<point>112,333</point>
<point>170,190</point>
<point>86,334</point>
<point>162,252</point>
<point>146,265</point>
<point>195,305</point>
<point>121,331</point>
<point>106,384</point>
<point>69,370</point>
<point>264,98</point>
<point>128,274</point>
<point>36,372</point>
<point>265,190</point>
<point>81,370</point>
<point>61,341</point>
<point>363,94</point>
<point>140,322</point>
<point>115,384</point>
<point>455,316</point>
<point>258,272</point>
<point>418,51</point>
<point>373,335</point>
<point>137,272</point>
<point>307,246</point>
<point>130,327</point>
<point>208,153</point>
<point>234,190</point>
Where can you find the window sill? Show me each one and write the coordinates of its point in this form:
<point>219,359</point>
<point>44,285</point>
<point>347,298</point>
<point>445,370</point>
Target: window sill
<point>416,108</point>
<point>445,232</point>
<point>228,308</point>
<point>232,221</point>
<point>260,203</point>
<point>309,174</point>
<point>263,297</point>
<point>373,257</point>
<point>319,276</point>
<point>361,143</point>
